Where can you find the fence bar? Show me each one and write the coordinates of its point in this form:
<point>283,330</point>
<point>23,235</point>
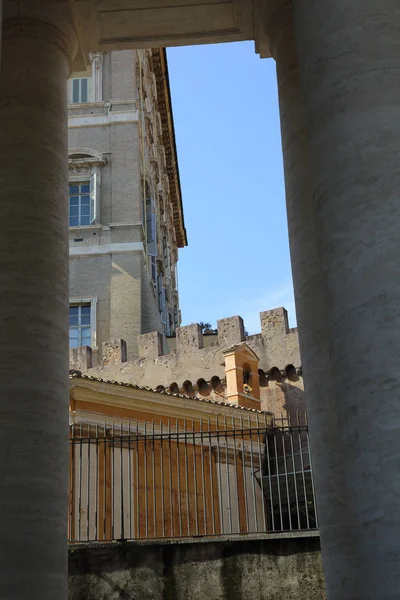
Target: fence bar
<point>278,480</point>
<point>295,479</point>
<point>203,479</point>
<point>283,438</point>
<point>220,481</point>
<point>253,476</point>
<point>312,479</point>
<point>178,469</point>
<point>195,479</point>
<point>235,469</point>
<point>228,483</point>
<point>211,476</point>
<point>244,475</point>
<point>88,491</point>
<point>304,479</point>
<point>113,482</point>
<point>72,485</point>
<point>187,480</point>
<point>122,532</point>
<point>162,479</point>
<point>170,478</point>
<point>153,461</point>
<point>244,446</point>
<point>80,484</point>
<point>105,484</point>
<point>260,470</point>
<point>268,464</point>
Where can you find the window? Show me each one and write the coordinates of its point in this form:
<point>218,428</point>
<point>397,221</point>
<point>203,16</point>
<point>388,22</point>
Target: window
<point>80,328</point>
<point>162,303</point>
<point>80,90</point>
<point>82,202</point>
<point>151,228</point>
<point>165,252</point>
<point>160,292</point>
<point>153,268</point>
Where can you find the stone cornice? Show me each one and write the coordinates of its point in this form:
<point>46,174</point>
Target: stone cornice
<point>164,106</point>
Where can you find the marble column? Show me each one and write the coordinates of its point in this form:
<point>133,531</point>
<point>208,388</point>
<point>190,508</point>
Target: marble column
<point>310,293</point>
<point>38,45</point>
<point>1,25</point>
<point>349,63</point>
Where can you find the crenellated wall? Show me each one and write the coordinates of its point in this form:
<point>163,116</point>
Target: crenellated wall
<point>194,369</point>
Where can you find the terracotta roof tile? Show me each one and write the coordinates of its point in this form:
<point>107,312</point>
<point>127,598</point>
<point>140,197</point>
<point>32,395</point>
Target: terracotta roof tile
<point>73,374</point>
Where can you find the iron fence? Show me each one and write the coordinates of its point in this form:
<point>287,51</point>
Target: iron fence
<point>157,480</point>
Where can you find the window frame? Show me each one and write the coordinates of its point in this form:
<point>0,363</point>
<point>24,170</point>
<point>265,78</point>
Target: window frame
<point>88,78</point>
<point>80,194</point>
<point>79,301</point>
<point>151,228</point>
<point>153,269</point>
<point>87,169</point>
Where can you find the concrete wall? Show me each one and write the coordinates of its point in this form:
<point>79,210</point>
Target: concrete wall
<point>279,568</point>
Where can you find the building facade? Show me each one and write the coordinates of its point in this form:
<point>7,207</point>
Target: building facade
<point>261,371</point>
<point>148,464</point>
<point>125,209</point>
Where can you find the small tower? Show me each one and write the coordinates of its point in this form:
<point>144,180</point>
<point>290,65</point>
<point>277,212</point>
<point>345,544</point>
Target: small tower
<point>241,370</point>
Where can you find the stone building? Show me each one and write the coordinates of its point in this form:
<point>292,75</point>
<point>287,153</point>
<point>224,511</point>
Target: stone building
<point>261,371</point>
<point>125,209</point>
<point>149,464</point>
<point>337,76</point>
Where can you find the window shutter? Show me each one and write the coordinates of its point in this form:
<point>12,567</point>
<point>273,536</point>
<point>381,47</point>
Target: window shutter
<point>93,197</point>
<point>148,220</point>
<point>75,90</point>
<point>151,229</point>
<point>84,89</point>
<point>164,307</point>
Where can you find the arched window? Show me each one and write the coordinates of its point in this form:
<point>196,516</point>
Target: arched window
<point>246,374</point>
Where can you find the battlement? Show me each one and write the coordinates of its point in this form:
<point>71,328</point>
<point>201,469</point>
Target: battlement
<point>194,363</point>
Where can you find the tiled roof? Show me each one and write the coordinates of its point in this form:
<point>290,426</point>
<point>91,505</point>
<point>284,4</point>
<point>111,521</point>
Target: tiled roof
<point>73,374</point>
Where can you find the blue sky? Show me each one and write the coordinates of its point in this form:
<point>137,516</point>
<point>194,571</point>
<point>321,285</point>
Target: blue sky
<point>228,137</point>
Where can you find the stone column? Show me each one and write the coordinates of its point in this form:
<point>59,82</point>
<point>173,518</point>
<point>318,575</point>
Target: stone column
<point>309,289</point>
<point>1,25</point>
<point>349,59</point>
<point>37,49</point>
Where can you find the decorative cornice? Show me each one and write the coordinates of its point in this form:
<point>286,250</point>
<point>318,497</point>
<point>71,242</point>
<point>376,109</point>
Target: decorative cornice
<point>164,106</point>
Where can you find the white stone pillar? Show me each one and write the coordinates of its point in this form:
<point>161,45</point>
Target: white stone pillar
<point>349,59</point>
<point>307,278</point>
<point>96,58</point>
<point>33,305</point>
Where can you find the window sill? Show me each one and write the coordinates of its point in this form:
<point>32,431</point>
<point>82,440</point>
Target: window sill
<point>90,103</point>
<point>96,227</point>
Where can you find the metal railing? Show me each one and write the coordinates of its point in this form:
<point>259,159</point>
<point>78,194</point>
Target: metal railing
<point>157,480</point>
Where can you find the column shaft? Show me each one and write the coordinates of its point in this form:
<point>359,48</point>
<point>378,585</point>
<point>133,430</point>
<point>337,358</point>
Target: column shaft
<point>311,309</point>
<point>33,312</point>
<point>349,58</point>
